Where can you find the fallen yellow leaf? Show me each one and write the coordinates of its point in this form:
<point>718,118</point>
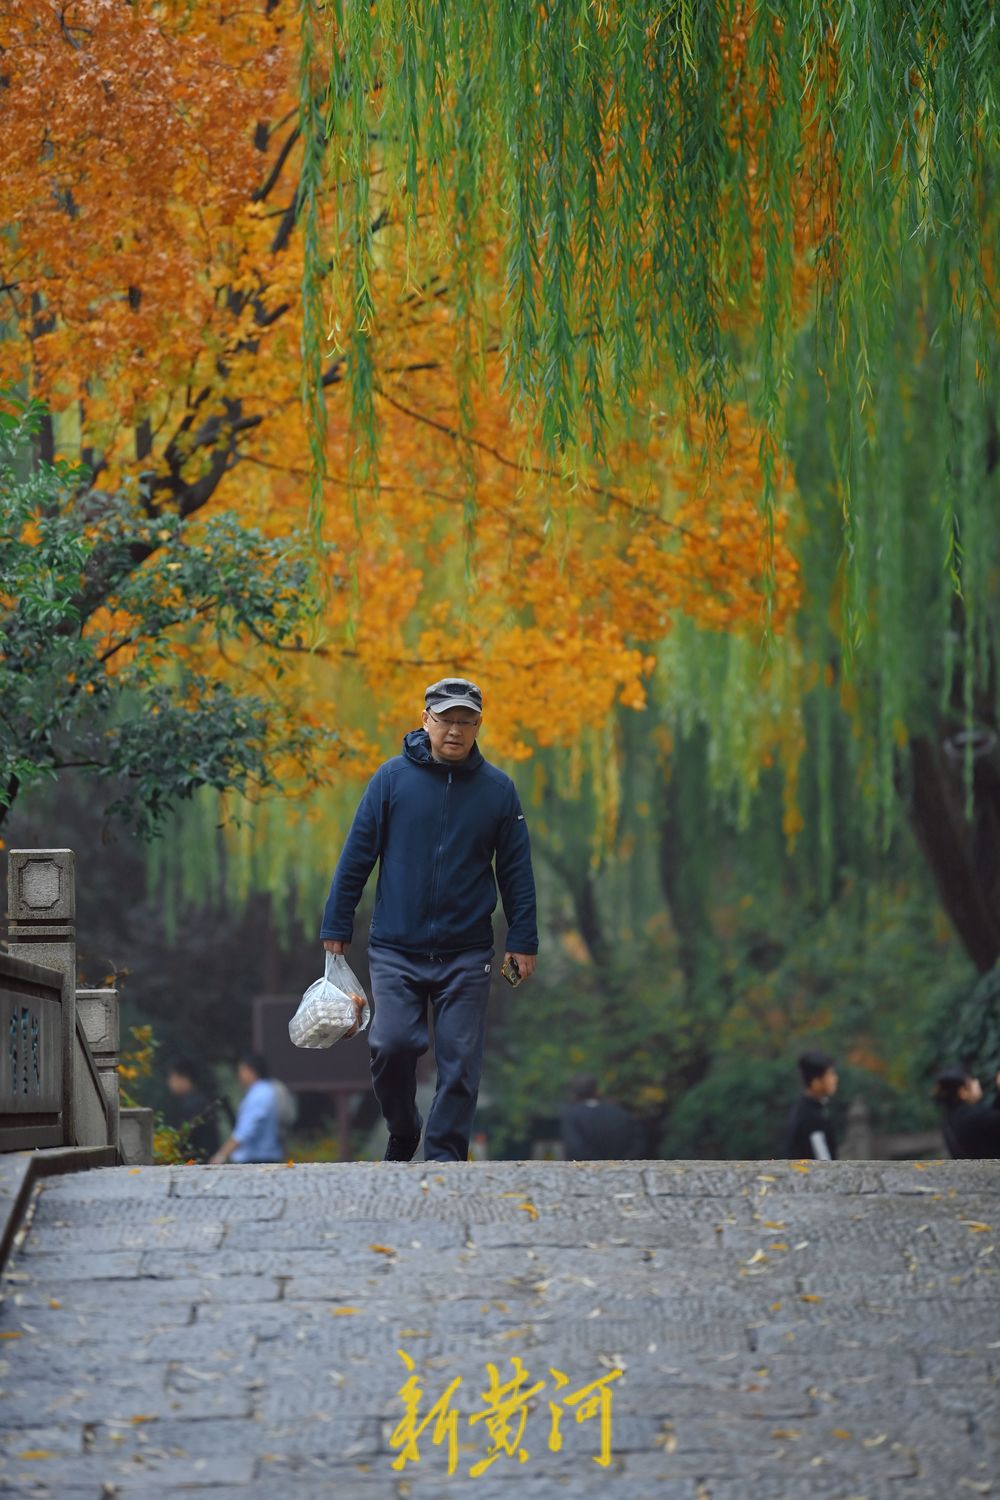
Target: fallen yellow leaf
<point>810,1297</point>
<point>14,1334</point>
<point>529,1209</point>
<point>36,1453</point>
<point>139,1418</point>
<point>382,1249</point>
<point>976,1226</point>
<point>54,1302</point>
<point>800,1166</point>
<point>343,1312</point>
<point>842,1433</point>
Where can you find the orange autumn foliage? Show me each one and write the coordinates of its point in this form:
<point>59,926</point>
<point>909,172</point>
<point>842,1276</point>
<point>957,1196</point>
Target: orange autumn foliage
<point>152,273</point>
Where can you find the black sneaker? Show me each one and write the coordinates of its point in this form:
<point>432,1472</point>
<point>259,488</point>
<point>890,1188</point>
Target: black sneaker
<point>401,1148</point>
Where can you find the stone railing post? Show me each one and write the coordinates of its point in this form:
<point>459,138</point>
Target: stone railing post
<point>98,1012</point>
<point>135,1143</point>
<point>41,908</point>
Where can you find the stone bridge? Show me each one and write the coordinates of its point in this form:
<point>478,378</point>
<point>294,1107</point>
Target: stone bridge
<point>730,1331</point>
<point>750,1331</point>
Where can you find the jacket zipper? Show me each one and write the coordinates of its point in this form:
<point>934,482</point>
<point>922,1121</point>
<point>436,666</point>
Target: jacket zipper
<point>437,861</point>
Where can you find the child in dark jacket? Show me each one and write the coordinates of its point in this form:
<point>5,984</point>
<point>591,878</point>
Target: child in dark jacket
<point>971,1128</point>
<point>810,1131</point>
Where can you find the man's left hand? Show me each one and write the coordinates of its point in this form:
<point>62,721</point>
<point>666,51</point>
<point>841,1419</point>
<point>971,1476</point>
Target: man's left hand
<point>525,963</point>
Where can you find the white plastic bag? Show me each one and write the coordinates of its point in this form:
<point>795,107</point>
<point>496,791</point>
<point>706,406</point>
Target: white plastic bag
<point>327,1011</point>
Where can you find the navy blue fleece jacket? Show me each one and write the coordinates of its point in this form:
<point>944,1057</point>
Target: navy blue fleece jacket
<point>435,830</point>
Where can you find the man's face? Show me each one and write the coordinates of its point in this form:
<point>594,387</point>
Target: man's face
<point>178,1084</point>
<point>452,733</point>
<point>971,1092</point>
<point>246,1075</point>
<point>827,1084</point>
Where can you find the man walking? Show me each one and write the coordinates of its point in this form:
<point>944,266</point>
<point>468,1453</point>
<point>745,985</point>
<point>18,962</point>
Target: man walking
<point>191,1111</point>
<point>435,818</point>
<point>810,1131</point>
<point>257,1132</point>
<point>598,1129</point>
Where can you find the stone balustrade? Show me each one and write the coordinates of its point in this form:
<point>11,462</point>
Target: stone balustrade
<point>60,1046</point>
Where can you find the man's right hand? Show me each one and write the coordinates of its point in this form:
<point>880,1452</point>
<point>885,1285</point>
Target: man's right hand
<point>334,945</point>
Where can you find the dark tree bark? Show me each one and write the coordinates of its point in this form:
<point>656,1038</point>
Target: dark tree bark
<point>579,882</point>
<point>964,856</point>
<point>685,842</point>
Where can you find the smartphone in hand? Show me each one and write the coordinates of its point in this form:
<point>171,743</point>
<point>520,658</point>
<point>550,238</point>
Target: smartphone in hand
<point>511,972</point>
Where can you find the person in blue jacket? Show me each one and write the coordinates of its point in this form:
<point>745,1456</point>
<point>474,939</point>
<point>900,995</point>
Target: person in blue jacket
<point>437,819</point>
<point>256,1135</point>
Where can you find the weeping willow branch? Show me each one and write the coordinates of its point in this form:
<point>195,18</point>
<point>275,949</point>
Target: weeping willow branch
<point>671,186</point>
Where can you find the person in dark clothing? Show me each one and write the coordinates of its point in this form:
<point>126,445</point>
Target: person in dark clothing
<point>971,1128</point>
<point>192,1111</point>
<point>810,1131</point>
<point>596,1129</point>
<point>437,819</point>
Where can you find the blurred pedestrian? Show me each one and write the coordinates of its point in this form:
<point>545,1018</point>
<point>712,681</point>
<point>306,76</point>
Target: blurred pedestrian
<point>435,818</point>
<point>257,1133</point>
<point>597,1129</point>
<point>971,1128</point>
<point>810,1129</point>
<point>191,1111</point>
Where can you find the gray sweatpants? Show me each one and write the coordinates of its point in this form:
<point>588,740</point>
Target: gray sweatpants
<point>457,987</point>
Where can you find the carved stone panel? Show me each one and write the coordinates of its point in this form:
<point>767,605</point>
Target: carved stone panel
<point>41,886</point>
<point>31,1054</point>
<point>98,1013</point>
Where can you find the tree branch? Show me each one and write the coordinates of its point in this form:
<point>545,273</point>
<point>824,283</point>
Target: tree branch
<point>272,177</point>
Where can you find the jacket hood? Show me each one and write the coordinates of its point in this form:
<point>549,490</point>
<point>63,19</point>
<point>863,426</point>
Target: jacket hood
<point>417,747</point>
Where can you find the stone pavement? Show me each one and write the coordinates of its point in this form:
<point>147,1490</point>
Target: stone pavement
<point>783,1332</point>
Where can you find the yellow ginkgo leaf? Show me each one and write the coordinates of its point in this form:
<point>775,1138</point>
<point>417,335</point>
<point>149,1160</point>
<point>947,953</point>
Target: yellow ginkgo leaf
<point>382,1249</point>
<point>528,1208</point>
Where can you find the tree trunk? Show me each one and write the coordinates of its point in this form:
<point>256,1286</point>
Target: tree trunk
<point>963,855</point>
<point>686,853</point>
